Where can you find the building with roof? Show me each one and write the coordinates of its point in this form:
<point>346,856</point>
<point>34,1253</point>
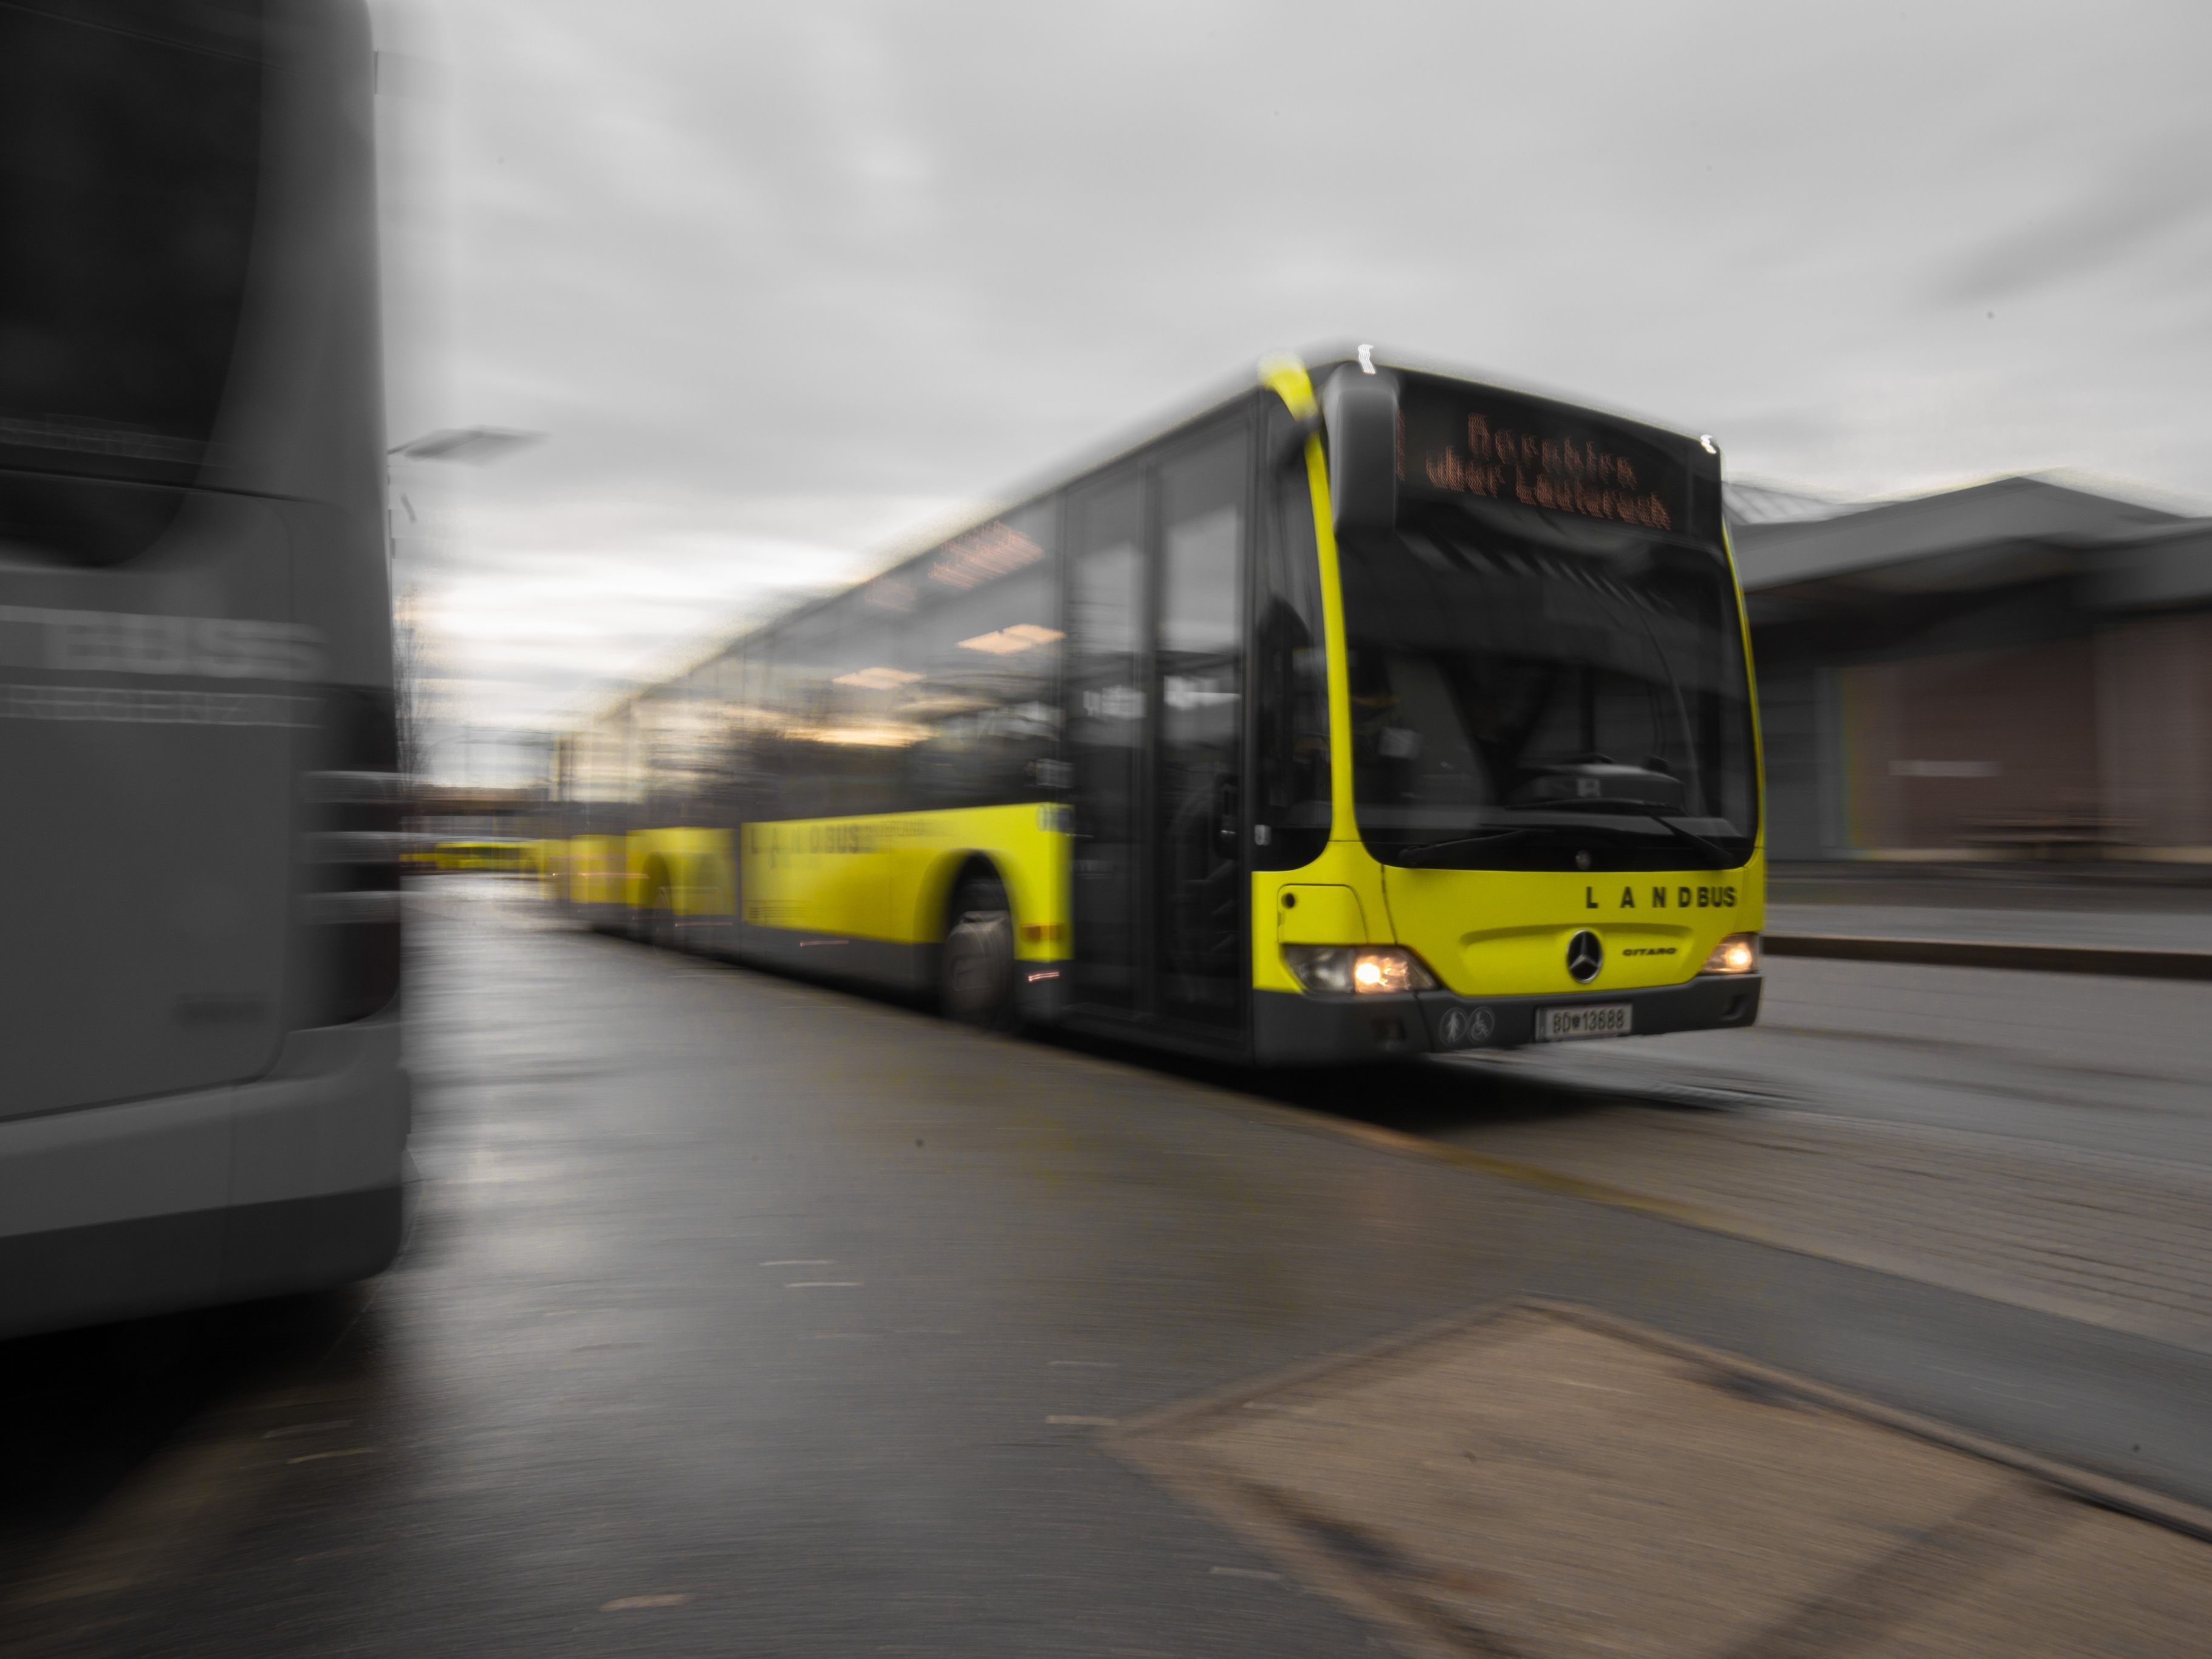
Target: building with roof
<point>2021,667</point>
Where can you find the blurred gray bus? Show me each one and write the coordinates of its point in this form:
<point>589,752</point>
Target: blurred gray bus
<point>201,1094</point>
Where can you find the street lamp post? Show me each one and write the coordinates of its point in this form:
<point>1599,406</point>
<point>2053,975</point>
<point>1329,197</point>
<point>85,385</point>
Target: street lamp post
<point>472,446</point>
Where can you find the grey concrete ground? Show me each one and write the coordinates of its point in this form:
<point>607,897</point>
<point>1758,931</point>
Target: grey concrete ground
<point>747,1316</point>
<point>2044,1138</point>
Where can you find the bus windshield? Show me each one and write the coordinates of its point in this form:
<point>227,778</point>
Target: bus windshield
<point>1531,691</point>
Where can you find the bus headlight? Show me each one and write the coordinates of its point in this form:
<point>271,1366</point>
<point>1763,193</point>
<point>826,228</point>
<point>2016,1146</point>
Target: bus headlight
<point>1364,970</point>
<point>1736,954</point>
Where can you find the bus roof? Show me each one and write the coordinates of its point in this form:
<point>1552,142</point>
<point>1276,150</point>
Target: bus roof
<point>1218,396</point>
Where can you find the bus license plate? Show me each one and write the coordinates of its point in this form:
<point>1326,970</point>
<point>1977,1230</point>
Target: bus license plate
<point>1604,1019</point>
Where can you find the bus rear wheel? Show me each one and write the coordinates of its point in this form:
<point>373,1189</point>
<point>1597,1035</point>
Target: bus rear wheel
<point>975,971</point>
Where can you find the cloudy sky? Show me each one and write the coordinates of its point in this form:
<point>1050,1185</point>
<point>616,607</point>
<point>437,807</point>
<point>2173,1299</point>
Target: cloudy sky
<point>784,284</point>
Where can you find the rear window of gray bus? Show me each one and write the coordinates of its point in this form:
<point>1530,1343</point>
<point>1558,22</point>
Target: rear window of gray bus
<point>129,143</point>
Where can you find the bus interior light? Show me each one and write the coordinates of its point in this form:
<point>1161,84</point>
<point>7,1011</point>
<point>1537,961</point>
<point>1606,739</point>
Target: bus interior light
<point>1357,969</point>
<point>1022,636</point>
<point>1736,954</point>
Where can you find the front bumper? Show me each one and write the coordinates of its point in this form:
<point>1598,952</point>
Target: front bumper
<point>292,1181</point>
<point>1289,1029</point>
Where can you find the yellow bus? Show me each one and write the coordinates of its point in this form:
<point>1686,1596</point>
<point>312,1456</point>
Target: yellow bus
<point>1366,712</point>
<point>497,856</point>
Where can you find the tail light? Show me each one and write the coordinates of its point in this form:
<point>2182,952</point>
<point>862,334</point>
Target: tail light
<point>350,844</point>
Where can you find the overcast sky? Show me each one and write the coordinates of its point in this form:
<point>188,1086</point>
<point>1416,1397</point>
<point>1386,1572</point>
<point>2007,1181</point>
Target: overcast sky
<point>784,284</point>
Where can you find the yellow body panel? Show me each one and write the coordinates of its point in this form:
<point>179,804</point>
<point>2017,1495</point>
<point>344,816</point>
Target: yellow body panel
<point>1345,862</point>
<point>1351,882</point>
<point>1309,914</point>
<point>598,870</point>
<point>1504,933</point>
<point>495,855</point>
<point>889,877</point>
<point>697,869</point>
<point>1289,381</point>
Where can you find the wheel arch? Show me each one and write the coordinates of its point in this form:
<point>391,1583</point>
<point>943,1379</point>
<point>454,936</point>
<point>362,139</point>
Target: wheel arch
<point>947,877</point>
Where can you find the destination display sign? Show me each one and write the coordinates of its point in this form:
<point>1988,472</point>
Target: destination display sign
<point>1463,441</point>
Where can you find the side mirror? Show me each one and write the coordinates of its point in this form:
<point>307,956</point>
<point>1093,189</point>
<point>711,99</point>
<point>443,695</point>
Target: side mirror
<point>1359,410</point>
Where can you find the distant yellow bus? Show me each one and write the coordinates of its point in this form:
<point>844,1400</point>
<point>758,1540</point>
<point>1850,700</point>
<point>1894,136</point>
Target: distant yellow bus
<point>502,857</point>
<point>1366,712</point>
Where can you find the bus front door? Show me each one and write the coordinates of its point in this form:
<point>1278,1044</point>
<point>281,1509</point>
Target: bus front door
<point>1108,736</point>
<point>1197,673</point>
<point>1154,732</point>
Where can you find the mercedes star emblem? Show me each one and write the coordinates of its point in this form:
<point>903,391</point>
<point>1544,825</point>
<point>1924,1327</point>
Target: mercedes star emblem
<point>1585,956</point>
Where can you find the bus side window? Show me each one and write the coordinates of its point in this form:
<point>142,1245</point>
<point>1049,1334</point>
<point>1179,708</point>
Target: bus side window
<point>980,662</point>
<point>749,729</point>
<point>1289,670</point>
<point>837,742</point>
<point>722,688</point>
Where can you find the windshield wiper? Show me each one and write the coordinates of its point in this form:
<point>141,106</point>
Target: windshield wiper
<point>1417,856</point>
<point>1598,810</point>
<point>1722,857</point>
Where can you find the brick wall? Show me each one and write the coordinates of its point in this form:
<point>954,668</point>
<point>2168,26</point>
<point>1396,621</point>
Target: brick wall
<point>2155,728</point>
<point>1941,748</point>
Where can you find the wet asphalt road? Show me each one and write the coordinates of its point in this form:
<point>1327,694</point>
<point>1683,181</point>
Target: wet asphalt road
<point>745,1316</point>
